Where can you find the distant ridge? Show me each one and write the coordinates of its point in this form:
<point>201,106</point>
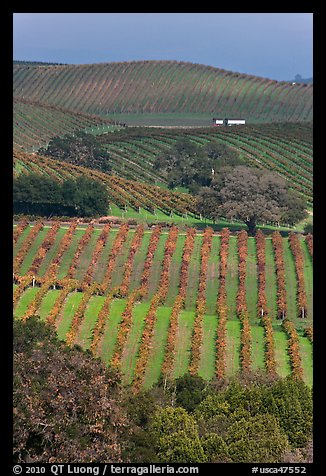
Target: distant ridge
<point>34,63</point>
<point>162,87</point>
<point>301,80</point>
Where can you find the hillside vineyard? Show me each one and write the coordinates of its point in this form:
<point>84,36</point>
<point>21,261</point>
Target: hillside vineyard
<point>162,87</point>
<point>162,301</point>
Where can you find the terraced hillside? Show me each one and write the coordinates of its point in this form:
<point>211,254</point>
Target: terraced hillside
<point>153,302</point>
<point>35,124</point>
<point>162,87</point>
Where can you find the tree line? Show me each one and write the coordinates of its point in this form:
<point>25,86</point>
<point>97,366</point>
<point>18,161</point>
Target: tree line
<point>36,194</point>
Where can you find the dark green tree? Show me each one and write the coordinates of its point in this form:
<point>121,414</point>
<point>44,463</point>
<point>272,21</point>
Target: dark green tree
<point>175,436</point>
<point>79,149</point>
<point>189,165</point>
<point>40,195</point>
<point>190,391</point>
<point>256,439</point>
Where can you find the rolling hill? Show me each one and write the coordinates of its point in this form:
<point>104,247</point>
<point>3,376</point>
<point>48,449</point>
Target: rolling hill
<point>168,87</point>
<point>36,123</point>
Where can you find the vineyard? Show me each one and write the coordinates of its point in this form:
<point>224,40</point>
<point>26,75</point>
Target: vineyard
<point>157,301</point>
<point>124,194</point>
<point>284,148</point>
<point>162,87</point>
<point>35,124</point>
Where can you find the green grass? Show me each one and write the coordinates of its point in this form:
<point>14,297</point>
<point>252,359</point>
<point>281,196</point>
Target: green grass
<point>121,258</point>
<point>193,275</point>
<point>156,357</point>
<point>28,260</point>
<point>103,259</point>
<point>308,278</point>
<point>283,366</point>
<point>85,337</point>
<point>183,339</point>
<point>69,253</point>
<point>271,281</point>
<point>50,255</point>
<point>86,255</point>
<point>233,332</point>
<point>65,319</point>
<point>252,281</point>
<point>175,271</point>
<point>164,119</point>
<point>130,351</point>
<point>212,281</point>
<point>291,283</point>
<point>307,359</point>
<point>232,278</point>
<point>20,240</point>
<point>107,345</point>
<point>208,351</point>
<point>156,268</point>
<point>47,303</point>
<point>258,348</point>
<point>25,299</point>
<point>139,260</point>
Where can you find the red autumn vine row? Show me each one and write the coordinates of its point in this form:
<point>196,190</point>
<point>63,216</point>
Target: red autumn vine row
<point>309,240</point>
<point>179,303</point>
<point>24,282</point>
<point>280,274</point>
<point>116,247</point>
<point>44,248</point>
<point>155,236</point>
<point>64,244</point>
<point>135,244</point>
<point>137,294</point>
<point>70,285</point>
<point>19,258</point>
<point>299,268</point>
<point>294,349</point>
<point>97,250</point>
<point>98,329</point>
<point>125,325</point>
<point>200,301</point>
<point>19,229</point>
<point>242,311</point>
<point>78,315</point>
<point>80,248</point>
<point>36,302</point>
<point>309,333</point>
<point>222,306</point>
<point>262,304</point>
<point>158,298</point>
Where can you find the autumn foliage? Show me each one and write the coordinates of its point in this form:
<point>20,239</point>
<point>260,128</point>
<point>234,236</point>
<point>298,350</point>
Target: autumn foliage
<point>262,305</point>
<point>179,303</point>
<point>200,301</point>
<point>22,252</point>
<point>242,311</point>
<point>222,306</point>
<point>309,241</point>
<point>117,245</point>
<point>280,274</point>
<point>299,267</point>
